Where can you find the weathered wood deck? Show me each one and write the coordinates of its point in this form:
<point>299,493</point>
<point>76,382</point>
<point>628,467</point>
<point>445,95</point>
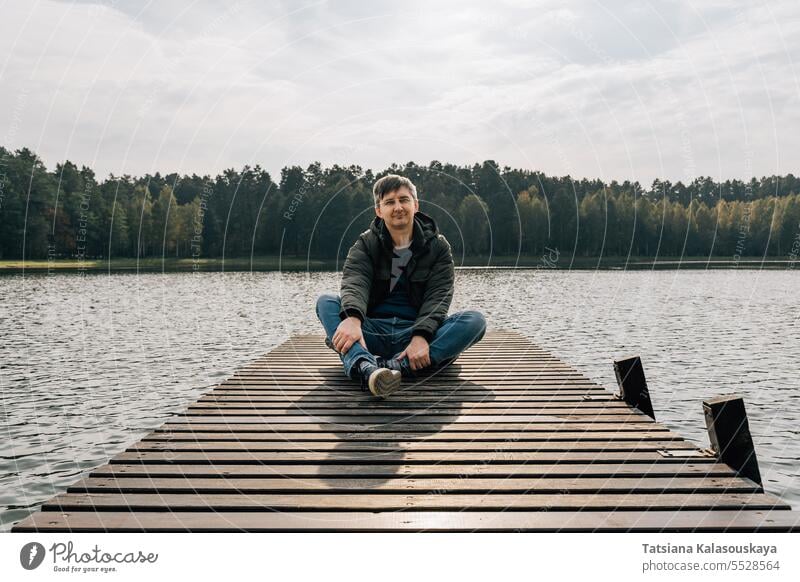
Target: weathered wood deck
<point>504,440</point>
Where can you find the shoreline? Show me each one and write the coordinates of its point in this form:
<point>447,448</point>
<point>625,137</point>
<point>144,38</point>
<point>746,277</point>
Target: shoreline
<point>299,264</point>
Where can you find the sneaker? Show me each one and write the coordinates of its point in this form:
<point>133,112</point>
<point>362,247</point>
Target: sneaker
<point>401,366</point>
<point>380,382</point>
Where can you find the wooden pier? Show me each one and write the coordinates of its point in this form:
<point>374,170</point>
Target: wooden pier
<point>508,438</point>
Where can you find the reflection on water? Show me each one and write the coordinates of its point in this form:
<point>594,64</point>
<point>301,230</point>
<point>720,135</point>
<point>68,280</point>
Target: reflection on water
<point>89,365</point>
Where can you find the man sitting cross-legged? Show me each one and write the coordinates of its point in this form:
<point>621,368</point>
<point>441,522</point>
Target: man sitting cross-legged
<point>397,285</point>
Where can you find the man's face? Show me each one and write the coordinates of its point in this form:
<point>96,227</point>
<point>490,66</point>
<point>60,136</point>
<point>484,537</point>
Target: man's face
<point>397,208</point>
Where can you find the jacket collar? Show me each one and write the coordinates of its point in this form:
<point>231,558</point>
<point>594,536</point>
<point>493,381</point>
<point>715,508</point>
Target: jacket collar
<point>425,229</point>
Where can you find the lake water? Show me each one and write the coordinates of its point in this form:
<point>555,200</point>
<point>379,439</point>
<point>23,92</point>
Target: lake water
<point>90,364</point>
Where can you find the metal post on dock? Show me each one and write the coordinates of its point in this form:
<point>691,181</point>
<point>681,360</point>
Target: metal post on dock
<point>632,384</point>
<point>729,434</point>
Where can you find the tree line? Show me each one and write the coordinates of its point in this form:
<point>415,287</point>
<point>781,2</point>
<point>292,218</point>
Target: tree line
<point>318,211</point>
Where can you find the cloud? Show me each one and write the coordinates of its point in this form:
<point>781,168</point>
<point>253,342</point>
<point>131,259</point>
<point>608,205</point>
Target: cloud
<point>620,90</point>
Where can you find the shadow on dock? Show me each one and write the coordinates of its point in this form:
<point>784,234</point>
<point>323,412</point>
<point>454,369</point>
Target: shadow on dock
<point>387,429</point>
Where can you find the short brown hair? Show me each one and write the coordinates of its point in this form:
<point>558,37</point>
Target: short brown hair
<point>390,183</point>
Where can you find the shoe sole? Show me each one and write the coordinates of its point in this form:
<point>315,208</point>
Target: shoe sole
<point>384,382</point>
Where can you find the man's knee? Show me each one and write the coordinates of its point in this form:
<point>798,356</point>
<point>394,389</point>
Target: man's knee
<point>476,323</point>
<point>327,301</point>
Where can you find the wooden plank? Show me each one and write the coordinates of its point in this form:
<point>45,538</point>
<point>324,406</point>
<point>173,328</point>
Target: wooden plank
<point>436,469</point>
<point>419,419</point>
<point>498,354</point>
<point>166,435</point>
<point>506,372</point>
<point>344,409</point>
<point>304,410</point>
<point>422,399</point>
<point>496,363</point>
<point>445,447</point>
<point>389,457</point>
<point>332,360</point>
<point>460,383</point>
<point>335,369</point>
<point>737,520</point>
<point>502,371</point>
<point>347,387</point>
<point>376,415</point>
<point>584,485</point>
<point>615,407</point>
<point>298,375</point>
<point>182,424</point>
<point>140,502</point>
<point>497,366</point>
<point>394,406</point>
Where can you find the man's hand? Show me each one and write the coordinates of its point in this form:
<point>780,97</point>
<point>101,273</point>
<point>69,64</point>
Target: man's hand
<point>348,333</point>
<point>417,352</point>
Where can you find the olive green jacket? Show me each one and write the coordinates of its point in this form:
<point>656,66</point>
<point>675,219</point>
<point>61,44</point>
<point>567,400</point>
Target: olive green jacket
<point>430,272</point>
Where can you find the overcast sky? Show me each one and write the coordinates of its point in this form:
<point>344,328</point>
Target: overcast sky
<point>610,89</point>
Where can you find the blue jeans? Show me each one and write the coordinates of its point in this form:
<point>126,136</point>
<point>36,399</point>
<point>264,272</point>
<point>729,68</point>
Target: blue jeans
<point>388,337</point>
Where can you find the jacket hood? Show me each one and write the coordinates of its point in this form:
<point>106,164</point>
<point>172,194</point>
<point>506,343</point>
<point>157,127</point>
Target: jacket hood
<point>425,229</point>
